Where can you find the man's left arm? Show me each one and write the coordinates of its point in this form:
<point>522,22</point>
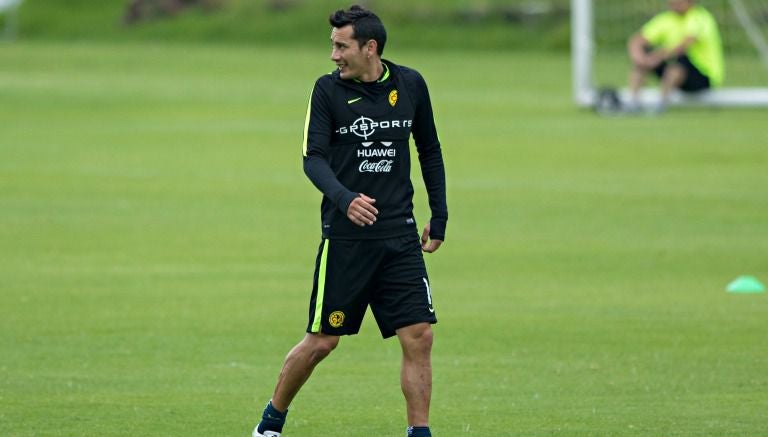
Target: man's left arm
<point>432,166</point>
<point>695,30</point>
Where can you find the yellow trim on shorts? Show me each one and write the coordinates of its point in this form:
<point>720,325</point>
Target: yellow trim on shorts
<point>320,288</point>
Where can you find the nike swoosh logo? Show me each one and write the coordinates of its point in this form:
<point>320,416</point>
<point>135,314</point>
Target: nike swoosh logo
<point>349,102</point>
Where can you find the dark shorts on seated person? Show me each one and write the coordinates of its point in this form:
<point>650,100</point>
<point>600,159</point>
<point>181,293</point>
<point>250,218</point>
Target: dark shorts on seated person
<point>694,81</point>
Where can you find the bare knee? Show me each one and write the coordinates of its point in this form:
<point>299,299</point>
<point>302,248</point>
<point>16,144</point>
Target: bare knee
<point>425,337</point>
<point>416,339</point>
<point>674,75</point>
<point>319,346</point>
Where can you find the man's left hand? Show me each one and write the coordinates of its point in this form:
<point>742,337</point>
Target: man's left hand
<point>429,245</point>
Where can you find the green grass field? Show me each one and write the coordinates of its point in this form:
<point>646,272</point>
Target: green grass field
<point>157,241</point>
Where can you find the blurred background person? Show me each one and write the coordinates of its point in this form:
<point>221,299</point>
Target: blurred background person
<point>682,47</point>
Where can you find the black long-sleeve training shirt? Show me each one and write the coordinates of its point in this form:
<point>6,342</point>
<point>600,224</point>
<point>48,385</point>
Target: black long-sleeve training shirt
<point>356,141</point>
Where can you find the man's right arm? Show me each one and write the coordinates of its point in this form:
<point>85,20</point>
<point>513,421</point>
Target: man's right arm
<point>636,46</point>
<point>318,128</point>
<point>638,52</point>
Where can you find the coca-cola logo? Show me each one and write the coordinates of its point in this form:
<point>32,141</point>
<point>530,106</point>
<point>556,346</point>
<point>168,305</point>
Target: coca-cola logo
<point>383,166</point>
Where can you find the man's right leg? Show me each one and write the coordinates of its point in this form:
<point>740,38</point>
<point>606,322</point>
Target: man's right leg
<point>298,366</point>
<point>637,76</point>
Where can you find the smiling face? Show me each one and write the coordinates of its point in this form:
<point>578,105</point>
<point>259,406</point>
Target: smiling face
<point>353,61</point>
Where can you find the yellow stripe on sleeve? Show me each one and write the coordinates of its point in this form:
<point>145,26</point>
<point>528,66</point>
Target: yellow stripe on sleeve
<point>306,124</point>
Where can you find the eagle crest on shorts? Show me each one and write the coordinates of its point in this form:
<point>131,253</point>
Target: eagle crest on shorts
<point>336,319</point>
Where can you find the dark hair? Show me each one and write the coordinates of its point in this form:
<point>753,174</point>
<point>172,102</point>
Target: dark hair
<point>365,25</point>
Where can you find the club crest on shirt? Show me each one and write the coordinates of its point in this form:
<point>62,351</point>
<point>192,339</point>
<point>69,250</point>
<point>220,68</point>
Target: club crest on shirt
<point>393,97</point>
<point>336,319</point>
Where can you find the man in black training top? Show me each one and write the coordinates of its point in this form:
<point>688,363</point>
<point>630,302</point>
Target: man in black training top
<point>356,151</point>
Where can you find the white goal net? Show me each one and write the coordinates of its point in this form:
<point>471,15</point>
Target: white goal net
<point>600,30</point>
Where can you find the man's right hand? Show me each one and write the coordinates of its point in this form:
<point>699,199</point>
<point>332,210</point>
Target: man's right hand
<point>361,210</point>
<point>638,53</point>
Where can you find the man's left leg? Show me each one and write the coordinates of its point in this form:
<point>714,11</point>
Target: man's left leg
<point>416,374</point>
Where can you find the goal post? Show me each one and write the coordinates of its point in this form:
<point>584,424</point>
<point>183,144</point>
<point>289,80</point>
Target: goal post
<point>10,10</point>
<point>582,52</point>
<point>600,29</point>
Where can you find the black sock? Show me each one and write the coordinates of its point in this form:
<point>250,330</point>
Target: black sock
<point>271,419</point>
<point>418,431</point>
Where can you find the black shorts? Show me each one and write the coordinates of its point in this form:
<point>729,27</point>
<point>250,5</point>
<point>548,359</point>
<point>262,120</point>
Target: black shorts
<point>695,80</point>
<point>387,274</point>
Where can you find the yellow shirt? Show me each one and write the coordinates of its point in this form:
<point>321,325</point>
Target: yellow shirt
<point>669,29</point>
